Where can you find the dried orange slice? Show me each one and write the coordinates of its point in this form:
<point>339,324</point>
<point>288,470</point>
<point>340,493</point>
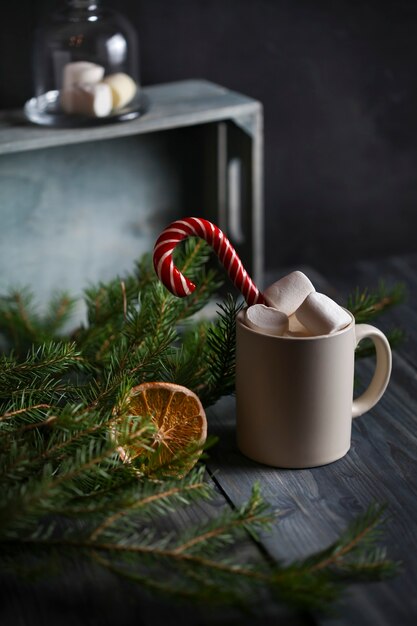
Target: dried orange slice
<point>180,422</point>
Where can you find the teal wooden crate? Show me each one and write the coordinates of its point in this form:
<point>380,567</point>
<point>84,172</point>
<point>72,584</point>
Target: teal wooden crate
<point>80,205</point>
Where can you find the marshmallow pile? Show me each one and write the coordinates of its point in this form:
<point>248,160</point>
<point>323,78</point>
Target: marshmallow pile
<point>86,91</point>
<point>294,308</point>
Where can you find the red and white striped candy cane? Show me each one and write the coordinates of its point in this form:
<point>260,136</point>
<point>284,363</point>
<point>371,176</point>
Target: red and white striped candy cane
<point>180,285</point>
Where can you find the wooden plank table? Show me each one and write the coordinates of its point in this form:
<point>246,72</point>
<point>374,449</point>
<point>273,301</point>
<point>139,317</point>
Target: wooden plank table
<point>314,505</point>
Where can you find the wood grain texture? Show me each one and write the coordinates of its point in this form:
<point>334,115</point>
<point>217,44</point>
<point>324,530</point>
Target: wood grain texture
<point>315,505</point>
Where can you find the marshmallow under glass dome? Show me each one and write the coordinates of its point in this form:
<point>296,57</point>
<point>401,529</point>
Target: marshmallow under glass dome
<point>86,67</point>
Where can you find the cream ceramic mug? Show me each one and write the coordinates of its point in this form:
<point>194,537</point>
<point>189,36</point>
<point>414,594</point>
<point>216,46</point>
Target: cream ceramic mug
<point>294,395</point>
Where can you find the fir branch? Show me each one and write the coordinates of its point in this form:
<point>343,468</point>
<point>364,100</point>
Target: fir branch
<point>24,410</point>
<point>367,304</point>
<point>165,498</point>
<point>220,353</point>
<point>47,374</point>
<point>252,516</point>
<point>192,263</point>
<point>362,533</point>
<point>23,327</point>
<point>59,312</point>
<point>309,584</point>
<point>85,467</point>
<point>67,488</point>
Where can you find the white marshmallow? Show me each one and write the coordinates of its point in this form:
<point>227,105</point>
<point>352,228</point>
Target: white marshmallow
<point>93,100</point>
<point>288,293</point>
<point>264,319</point>
<point>296,329</point>
<point>80,73</point>
<point>123,89</point>
<point>322,315</point>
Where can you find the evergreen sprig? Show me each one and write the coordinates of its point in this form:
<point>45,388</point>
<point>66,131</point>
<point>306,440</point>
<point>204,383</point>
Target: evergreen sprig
<point>65,492</point>
<point>366,305</point>
<point>22,326</point>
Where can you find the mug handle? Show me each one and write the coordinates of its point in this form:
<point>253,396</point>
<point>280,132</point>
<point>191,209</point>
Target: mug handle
<point>382,373</point>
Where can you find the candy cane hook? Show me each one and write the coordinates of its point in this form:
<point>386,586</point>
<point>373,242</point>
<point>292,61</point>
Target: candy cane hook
<point>180,285</point>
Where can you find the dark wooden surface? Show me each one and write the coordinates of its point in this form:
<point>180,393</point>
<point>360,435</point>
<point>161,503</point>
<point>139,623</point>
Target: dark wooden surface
<point>314,505</point>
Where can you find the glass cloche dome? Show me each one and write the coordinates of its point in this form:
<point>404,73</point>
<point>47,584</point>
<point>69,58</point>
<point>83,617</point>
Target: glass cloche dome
<point>86,67</point>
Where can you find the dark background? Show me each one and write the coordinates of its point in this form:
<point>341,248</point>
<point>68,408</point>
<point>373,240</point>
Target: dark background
<point>338,81</point>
